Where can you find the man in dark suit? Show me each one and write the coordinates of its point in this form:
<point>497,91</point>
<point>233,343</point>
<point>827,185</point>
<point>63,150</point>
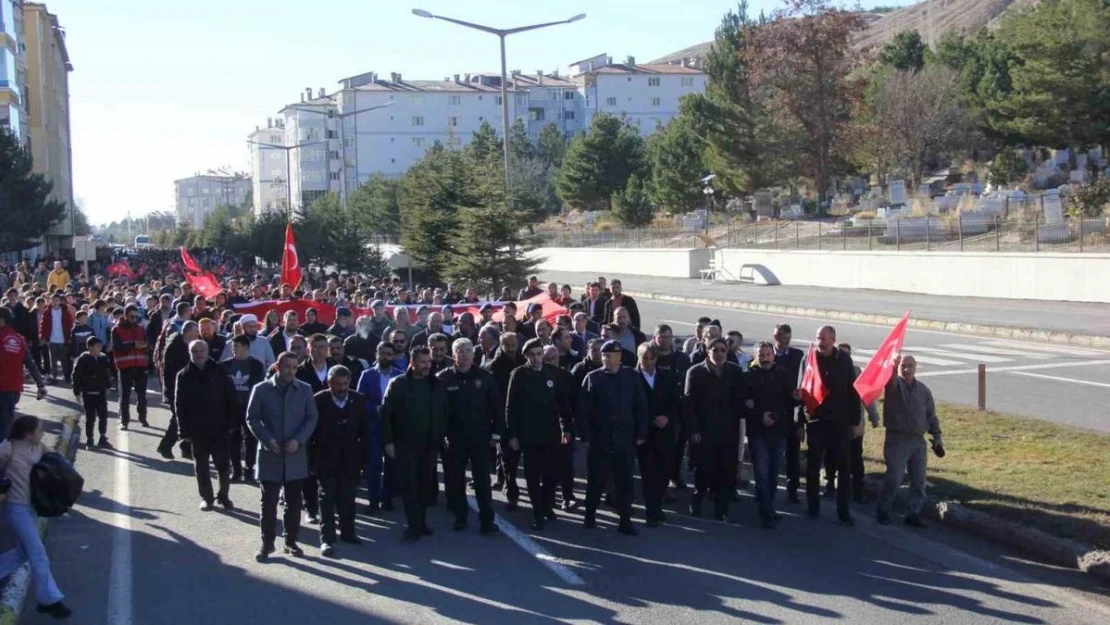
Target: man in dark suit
<point>281,338</point>
<point>618,300</point>
<point>594,304</point>
<point>790,359</point>
<point>657,453</point>
<point>336,449</point>
<point>314,373</point>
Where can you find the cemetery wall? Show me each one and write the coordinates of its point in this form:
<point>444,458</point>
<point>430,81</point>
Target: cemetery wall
<point>1040,276</point>
<point>665,263</point>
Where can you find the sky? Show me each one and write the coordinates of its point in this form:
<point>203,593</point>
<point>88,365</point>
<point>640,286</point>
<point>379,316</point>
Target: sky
<point>163,90</point>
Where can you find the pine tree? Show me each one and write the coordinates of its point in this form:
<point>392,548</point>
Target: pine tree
<point>632,206</point>
<point>490,250</point>
<point>485,145</point>
<point>677,166</point>
<point>905,52</point>
<point>551,146</point>
<point>26,210</point>
<point>377,203</point>
<point>600,162</point>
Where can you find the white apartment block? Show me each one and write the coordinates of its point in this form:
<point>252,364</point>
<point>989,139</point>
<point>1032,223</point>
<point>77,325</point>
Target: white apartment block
<point>198,196</point>
<point>378,126</point>
<point>269,168</point>
<point>648,95</point>
<point>13,70</point>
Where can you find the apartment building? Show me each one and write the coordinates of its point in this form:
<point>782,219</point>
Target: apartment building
<point>269,168</point>
<point>198,196</point>
<point>313,147</point>
<point>648,95</point>
<point>13,70</point>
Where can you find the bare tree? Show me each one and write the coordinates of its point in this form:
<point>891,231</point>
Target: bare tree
<point>917,118</point>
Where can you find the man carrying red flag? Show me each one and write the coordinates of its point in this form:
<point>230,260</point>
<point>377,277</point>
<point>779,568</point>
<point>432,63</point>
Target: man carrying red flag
<point>833,409</point>
<point>290,263</point>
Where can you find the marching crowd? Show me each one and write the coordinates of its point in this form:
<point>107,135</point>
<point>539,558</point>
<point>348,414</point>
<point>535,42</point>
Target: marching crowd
<point>310,411</point>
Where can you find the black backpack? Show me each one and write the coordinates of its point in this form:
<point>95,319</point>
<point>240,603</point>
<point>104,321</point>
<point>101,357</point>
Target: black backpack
<point>55,485</point>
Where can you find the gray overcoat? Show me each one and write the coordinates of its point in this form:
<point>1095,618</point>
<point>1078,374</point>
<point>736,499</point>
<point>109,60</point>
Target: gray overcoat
<point>281,414</point>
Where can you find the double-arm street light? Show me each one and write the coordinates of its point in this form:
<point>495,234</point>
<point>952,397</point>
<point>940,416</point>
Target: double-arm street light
<point>288,177</point>
<point>332,114</point>
<point>501,33</point>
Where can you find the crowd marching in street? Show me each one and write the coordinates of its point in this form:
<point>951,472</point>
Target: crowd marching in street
<point>315,391</point>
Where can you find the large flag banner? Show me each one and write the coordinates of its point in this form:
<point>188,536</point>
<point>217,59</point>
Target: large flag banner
<point>120,269</point>
<point>290,264</point>
<point>813,387</point>
<point>190,263</point>
<point>874,377</point>
<point>325,313</point>
<point>202,281</point>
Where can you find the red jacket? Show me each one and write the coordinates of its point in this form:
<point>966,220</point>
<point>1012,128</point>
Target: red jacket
<point>12,351</point>
<point>47,321</point>
<point>123,341</point>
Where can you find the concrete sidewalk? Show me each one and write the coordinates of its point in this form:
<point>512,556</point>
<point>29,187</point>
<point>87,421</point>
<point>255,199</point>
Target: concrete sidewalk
<point>1004,317</point>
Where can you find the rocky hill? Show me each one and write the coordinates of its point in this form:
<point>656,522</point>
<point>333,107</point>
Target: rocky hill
<point>931,18</point>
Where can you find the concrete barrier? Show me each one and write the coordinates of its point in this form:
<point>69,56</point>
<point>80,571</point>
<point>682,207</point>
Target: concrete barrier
<point>14,593</point>
<point>661,262</point>
<point>1038,276</point>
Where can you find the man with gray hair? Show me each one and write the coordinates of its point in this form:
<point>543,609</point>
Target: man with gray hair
<point>204,404</point>
<point>908,413</point>
<point>175,358</point>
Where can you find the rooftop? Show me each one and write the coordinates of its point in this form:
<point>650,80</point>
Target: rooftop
<point>435,86</point>
<point>621,68</point>
<point>531,80</point>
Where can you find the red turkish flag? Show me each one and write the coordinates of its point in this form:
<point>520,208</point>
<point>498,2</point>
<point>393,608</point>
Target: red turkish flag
<point>813,387</point>
<point>290,264</point>
<point>190,263</point>
<point>878,372</point>
<point>204,283</point>
<point>121,269</point>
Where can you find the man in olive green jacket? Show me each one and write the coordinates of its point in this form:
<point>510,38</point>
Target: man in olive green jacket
<point>414,425</point>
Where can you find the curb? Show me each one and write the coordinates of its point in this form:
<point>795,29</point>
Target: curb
<point>14,593</point>
<point>1052,549</point>
<point>956,327</point>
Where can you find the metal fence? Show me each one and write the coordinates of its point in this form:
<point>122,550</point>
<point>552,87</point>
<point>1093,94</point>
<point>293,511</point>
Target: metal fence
<point>1018,231</point>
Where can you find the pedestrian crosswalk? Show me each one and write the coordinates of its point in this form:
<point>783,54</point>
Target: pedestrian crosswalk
<point>986,351</point>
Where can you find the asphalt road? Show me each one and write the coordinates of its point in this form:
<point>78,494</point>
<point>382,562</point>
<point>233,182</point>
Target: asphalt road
<point>136,550</point>
<point>1059,383</point>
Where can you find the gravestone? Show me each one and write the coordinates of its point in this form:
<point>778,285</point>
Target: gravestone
<point>897,192</point>
<point>1053,209</point>
<point>1061,158</point>
<point>1081,161</point>
<point>1078,175</point>
<point>762,204</point>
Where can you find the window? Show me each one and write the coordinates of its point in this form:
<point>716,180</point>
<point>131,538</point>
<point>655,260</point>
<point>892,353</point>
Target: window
<point>418,141</point>
<point>332,134</point>
<point>555,94</point>
<point>610,101</point>
<point>653,81</point>
<point>521,100</point>
<point>333,155</point>
<point>418,120</point>
<point>498,100</point>
<point>348,142</point>
<point>687,81</point>
<point>568,114</point>
<point>452,121</point>
<point>335,175</point>
<point>568,95</point>
<point>655,101</point>
<point>536,115</point>
<point>454,100</point>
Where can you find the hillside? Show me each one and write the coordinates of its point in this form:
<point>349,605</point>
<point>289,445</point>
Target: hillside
<point>932,18</point>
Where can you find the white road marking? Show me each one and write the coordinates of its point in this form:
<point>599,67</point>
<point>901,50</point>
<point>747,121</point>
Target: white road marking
<point>974,347</point>
<point>557,566</point>
<point>119,575</point>
<point>680,323</point>
<point>1058,350</point>
<point>928,360</point>
<point>1047,365</point>
<point>1059,379</point>
<point>954,354</point>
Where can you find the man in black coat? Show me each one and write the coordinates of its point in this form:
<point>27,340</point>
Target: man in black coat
<point>538,426</point>
<point>414,426</point>
<point>504,362</point>
<point>657,452</point>
<point>314,372</point>
<point>772,397</point>
<point>829,425</point>
<point>675,363</point>
<point>790,358</point>
<point>204,402</point>
<point>336,456</point>
<point>613,422</point>
<point>714,406</point>
<point>174,359</point>
<point>475,424</point>
<point>363,344</point>
<point>619,300</point>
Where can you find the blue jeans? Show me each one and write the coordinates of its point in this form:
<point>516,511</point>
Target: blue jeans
<point>766,452</point>
<point>379,487</point>
<point>8,400</point>
<point>22,520</point>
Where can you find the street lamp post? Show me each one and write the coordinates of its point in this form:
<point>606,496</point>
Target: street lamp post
<point>288,177</point>
<point>330,114</point>
<point>501,34</point>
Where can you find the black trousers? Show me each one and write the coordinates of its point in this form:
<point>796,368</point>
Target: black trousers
<point>715,472</point>
<point>656,466</point>
<point>311,492</point>
<point>827,437</point>
<point>214,448</point>
<point>507,465</point>
<point>602,465</point>
<point>243,444</point>
<point>477,455</point>
<point>414,470</point>
<point>271,491</point>
<point>96,413</point>
<point>433,485</point>
<point>337,495</point>
<point>855,466</point>
<point>134,377</point>
<point>170,438</point>
<point>541,473</point>
<point>793,462</point>
<point>679,453</point>
<point>566,476</point>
